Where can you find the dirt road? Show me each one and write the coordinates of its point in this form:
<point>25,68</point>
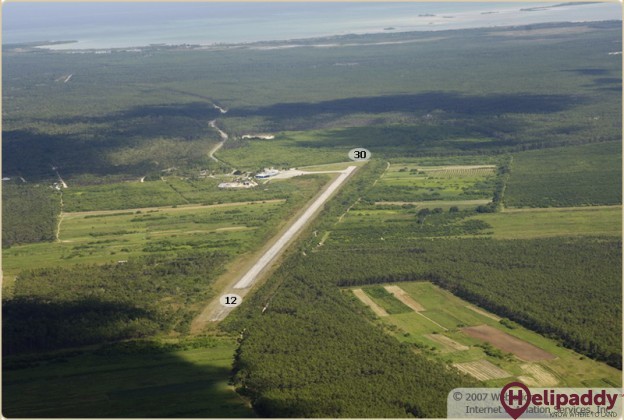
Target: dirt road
<point>224,138</point>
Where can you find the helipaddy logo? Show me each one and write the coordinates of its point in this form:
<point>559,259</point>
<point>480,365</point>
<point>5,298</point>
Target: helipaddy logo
<point>516,397</point>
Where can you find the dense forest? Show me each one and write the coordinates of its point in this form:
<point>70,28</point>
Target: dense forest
<point>566,288</point>
<point>132,129</point>
<point>312,355</point>
<point>571,176</point>
<point>56,308</point>
<point>146,121</point>
<point>29,213</point>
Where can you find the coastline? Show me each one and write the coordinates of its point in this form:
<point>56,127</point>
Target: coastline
<point>330,41</point>
<point>204,33</point>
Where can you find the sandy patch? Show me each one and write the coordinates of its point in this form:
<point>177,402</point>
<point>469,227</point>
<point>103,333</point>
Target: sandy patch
<point>528,381</point>
<point>359,293</point>
<point>457,168</point>
<point>166,209</point>
<point>450,345</point>
<point>435,202</point>
<point>225,229</point>
<point>406,299</point>
<point>508,343</point>
<point>540,375</point>
<point>482,370</point>
<point>482,312</point>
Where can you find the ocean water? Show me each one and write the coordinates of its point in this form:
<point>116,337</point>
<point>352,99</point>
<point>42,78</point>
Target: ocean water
<point>122,25</point>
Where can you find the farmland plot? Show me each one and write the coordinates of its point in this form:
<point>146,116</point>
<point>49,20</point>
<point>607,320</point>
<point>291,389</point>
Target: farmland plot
<point>412,183</point>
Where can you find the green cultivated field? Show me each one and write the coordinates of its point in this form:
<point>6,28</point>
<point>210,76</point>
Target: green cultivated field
<point>445,315</point>
<point>146,379</point>
<point>177,191</point>
<point>408,182</point>
<point>97,237</point>
<point>572,221</point>
<point>287,150</point>
<point>386,300</point>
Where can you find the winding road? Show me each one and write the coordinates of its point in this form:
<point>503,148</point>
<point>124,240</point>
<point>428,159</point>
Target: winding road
<point>224,138</point>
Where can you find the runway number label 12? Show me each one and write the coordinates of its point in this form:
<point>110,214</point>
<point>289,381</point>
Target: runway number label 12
<point>230,300</point>
<point>359,154</point>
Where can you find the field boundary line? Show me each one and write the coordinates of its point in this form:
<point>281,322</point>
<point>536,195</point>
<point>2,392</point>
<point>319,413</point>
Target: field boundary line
<point>431,320</point>
<point>434,202</point>
<point>169,208</point>
<point>556,209</point>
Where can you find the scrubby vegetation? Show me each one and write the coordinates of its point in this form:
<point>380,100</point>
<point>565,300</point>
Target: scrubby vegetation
<point>172,191</point>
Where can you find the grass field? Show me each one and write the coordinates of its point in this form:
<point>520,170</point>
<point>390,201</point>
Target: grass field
<point>97,237</point>
<point>287,150</point>
<point>410,182</point>
<point>437,332</point>
<point>386,300</point>
<point>191,382</point>
<point>534,223</point>
<point>174,190</point>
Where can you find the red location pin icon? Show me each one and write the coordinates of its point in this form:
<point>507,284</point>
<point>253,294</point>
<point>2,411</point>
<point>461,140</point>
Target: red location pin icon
<point>522,395</point>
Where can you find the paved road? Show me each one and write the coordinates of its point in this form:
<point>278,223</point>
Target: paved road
<point>215,311</point>
<point>291,173</point>
<point>248,279</point>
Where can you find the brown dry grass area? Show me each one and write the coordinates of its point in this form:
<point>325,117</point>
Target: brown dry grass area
<point>359,293</point>
<point>449,344</point>
<point>508,343</point>
<point>540,376</point>
<point>168,209</point>
<point>406,299</point>
<point>482,370</point>
<point>436,202</point>
<point>482,312</point>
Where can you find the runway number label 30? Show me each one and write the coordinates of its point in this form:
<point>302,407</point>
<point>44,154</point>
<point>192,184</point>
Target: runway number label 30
<point>359,154</point>
<point>230,300</point>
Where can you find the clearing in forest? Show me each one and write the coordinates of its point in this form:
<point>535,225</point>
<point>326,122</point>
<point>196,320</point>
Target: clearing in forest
<point>538,375</point>
<point>406,299</point>
<point>414,183</point>
<point>359,293</point>
<point>482,370</point>
<point>484,313</point>
<point>440,330</point>
<point>564,221</point>
<point>110,236</point>
<point>508,343</point>
<point>449,345</point>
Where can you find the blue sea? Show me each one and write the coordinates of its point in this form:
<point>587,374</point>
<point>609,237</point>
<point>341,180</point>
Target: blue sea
<point>123,25</point>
